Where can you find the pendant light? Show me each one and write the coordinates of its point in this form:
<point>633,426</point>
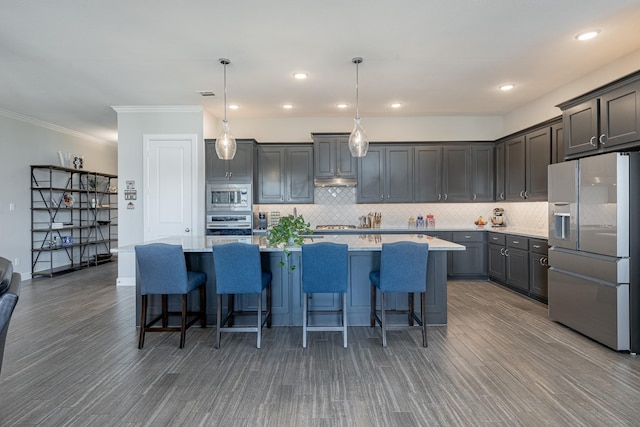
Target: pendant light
<point>358,141</point>
<point>226,143</point>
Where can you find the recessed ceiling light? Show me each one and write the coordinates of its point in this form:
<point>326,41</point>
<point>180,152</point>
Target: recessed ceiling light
<point>396,105</point>
<point>300,76</point>
<point>342,105</point>
<point>506,87</point>
<point>234,107</point>
<point>287,106</point>
<point>587,35</point>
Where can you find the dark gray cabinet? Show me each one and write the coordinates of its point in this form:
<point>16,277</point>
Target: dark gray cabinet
<point>538,268</point>
<point>526,160</point>
<point>239,169</point>
<point>557,143</point>
<point>519,263</point>
<point>500,178</point>
<point>537,159</point>
<point>606,119</point>
<point>472,262</point>
<point>427,184</point>
<point>385,175</point>
<point>497,262</point>
<point>456,173</point>
<point>509,260</point>
<point>332,157</point>
<point>284,174</point>
<point>456,162</point>
<point>482,172</point>
<point>514,164</point>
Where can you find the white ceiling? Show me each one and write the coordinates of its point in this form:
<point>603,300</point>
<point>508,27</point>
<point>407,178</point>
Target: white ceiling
<point>67,62</point>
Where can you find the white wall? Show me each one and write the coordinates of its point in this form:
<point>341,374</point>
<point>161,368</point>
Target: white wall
<point>381,129</point>
<point>25,142</point>
<point>133,124</point>
<point>544,108</point>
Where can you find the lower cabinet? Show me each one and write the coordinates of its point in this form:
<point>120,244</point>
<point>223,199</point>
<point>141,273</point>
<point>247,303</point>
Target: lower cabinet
<point>538,268</point>
<point>472,262</point>
<point>518,263</point>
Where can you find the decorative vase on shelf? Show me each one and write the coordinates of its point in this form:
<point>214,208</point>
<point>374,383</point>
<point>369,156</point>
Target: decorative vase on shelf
<point>68,199</point>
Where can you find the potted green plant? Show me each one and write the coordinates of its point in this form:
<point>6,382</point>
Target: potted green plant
<point>289,231</point>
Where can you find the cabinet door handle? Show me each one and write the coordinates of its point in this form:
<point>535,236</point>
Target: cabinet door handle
<point>502,251</point>
<point>230,174</point>
<point>602,139</point>
<point>494,238</point>
<point>593,142</point>
<point>382,197</point>
<point>502,196</point>
<point>526,194</point>
<point>536,246</point>
<point>446,196</point>
<point>506,252</point>
<point>467,237</point>
<point>474,196</point>
<point>331,171</point>
<point>515,242</point>
<point>339,172</point>
<point>439,196</point>
<point>522,194</point>
<point>281,198</point>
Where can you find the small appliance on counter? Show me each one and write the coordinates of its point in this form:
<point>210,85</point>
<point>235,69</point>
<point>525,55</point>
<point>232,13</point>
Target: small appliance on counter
<point>498,219</point>
<point>262,220</point>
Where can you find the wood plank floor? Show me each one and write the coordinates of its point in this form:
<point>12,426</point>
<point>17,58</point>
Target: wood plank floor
<point>71,360</point>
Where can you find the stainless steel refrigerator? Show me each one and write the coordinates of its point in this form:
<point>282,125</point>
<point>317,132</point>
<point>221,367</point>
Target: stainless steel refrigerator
<point>593,209</point>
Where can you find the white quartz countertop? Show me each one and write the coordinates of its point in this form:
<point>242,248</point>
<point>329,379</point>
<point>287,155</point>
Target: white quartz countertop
<point>356,242</point>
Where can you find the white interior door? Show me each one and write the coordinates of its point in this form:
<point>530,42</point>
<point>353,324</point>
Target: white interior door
<point>169,178</point>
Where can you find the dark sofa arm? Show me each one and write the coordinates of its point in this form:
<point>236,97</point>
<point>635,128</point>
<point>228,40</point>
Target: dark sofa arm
<point>8,301</point>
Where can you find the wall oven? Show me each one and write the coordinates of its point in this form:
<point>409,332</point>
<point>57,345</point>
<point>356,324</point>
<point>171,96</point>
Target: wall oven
<point>229,224</point>
<point>229,197</point>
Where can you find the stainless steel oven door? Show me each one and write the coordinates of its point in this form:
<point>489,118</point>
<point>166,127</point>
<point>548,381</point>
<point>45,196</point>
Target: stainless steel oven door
<point>229,224</point>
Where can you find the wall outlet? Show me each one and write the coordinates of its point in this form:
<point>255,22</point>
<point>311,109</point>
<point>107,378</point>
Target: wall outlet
<point>12,206</point>
<point>16,262</point>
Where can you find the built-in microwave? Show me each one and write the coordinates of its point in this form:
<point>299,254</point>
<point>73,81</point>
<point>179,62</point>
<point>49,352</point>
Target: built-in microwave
<point>229,197</point>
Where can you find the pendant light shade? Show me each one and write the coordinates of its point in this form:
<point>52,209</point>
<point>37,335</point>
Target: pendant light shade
<point>225,143</point>
<point>358,141</point>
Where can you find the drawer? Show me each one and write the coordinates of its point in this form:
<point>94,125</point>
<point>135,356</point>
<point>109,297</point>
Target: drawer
<point>538,246</point>
<point>497,238</point>
<point>518,242</point>
<point>468,236</point>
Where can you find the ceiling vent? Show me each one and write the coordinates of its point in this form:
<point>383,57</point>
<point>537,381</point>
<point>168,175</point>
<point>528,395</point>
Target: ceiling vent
<point>206,93</point>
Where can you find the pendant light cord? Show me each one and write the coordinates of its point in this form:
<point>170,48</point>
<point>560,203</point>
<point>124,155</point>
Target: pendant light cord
<point>357,92</point>
<point>225,90</point>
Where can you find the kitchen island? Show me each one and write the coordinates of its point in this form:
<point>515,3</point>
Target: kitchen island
<point>364,256</point>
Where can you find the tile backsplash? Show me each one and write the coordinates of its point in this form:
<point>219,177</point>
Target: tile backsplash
<point>337,205</point>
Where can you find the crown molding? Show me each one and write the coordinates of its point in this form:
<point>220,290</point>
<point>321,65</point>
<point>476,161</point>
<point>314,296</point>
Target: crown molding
<point>50,126</point>
<point>157,108</point>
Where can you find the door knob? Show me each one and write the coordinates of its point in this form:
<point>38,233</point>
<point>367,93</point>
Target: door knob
<point>187,229</point>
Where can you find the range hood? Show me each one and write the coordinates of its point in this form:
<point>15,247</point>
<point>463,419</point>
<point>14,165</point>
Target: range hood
<point>335,182</point>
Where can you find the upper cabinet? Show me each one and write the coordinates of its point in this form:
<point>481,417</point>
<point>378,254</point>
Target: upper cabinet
<point>500,178</point>
<point>557,143</point>
<point>606,119</point>
<point>332,157</point>
<point>385,175</point>
<point>284,174</point>
<point>526,158</point>
<point>455,173</point>
<point>239,169</point>
<point>481,177</point>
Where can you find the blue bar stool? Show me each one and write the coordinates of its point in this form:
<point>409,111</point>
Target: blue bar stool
<point>403,268</point>
<point>238,271</point>
<point>163,271</point>
<point>325,269</point>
